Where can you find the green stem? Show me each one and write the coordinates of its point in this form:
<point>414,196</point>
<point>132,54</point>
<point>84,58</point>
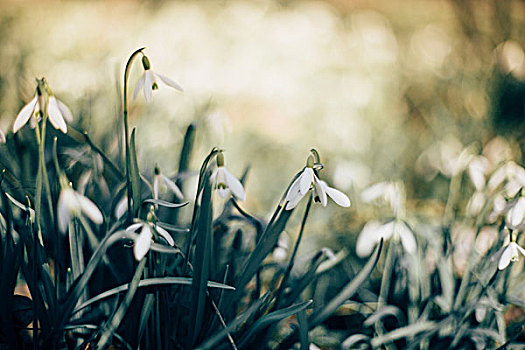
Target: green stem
<point>126,132</point>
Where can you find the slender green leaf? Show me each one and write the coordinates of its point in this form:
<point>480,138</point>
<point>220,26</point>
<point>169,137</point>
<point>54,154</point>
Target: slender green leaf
<point>165,204</point>
<point>135,177</point>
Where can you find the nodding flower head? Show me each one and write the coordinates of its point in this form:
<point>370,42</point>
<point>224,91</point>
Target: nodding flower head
<point>224,181</point>
<point>43,103</point>
<point>510,253</point>
<point>307,180</point>
<point>73,204</point>
<point>148,81</point>
<point>161,181</point>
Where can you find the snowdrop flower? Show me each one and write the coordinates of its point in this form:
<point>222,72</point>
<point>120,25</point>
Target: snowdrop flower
<point>224,181</point>
<point>2,137</point>
<point>477,168</point>
<point>122,206</point>
<point>148,81</point>
<point>510,253</point>
<point>73,204</point>
<point>303,183</point>
<point>57,111</point>
<point>516,214</point>
<point>513,174</point>
<point>374,230</point>
<point>143,241</point>
<point>391,192</point>
<point>161,181</point>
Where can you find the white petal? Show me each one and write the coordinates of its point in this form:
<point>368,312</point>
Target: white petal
<point>294,201</point>
<point>142,243</point>
<point>368,238</point>
<point>165,234</point>
<point>55,116</point>
<point>25,113</point>
<point>90,209</point>
<point>134,227</point>
<point>374,192</point>
<point>320,190</point>
<point>121,207</point>
<point>170,82</point>
<point>223,192</point>
<point>66,112</point>
<point>156,180</point>
<point>2,137</point>
<point>407,237</point>
<point>339,197</point>
<point>518,212</point>
<point>293,191</point>
<point>148,85</point>
<point>235,185</point>
<point>504,260</point>
<point>306,179</point>
<point>171,185</point>
<point>139,86</point>
<point>63,210</point>
<point>521,250</point>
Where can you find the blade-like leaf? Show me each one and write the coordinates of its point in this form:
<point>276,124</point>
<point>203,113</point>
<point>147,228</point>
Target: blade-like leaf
<point>134,173</point>
<point>165,204</point>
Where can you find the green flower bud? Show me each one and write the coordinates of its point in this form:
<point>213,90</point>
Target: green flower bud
<point>310,161</point>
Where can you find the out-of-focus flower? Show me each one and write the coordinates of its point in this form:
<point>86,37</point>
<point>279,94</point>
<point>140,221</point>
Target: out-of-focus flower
<point>148,81</point>
<point>510,253</point>
<point>73,204</point>
<point>57,111</point>
<point>224,181</point>
<point>143,241</point>
<point>122,206</point>
<point>2,137</point>
<point>391,192</point>
<point>477,168</point>
<point>303,183</point>
<point>476,203</point>
<point>510,172</point>
<point>374,230</point>
<point>516,214</point>
<point>281,250</point>
<point>160,181</point>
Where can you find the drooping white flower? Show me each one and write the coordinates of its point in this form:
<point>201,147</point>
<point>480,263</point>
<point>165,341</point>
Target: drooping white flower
<point>160,181</point>
<point>477,168</point>
<point>510,253</point>
<point>374,230</point>
<point>2,137</point>
<point>148,81</point>
<point>57,111</point>
<point>73,204</point>
<point>143,241</point>
<point>388,191</point>
<point>307,180</point>
<point>224,181</point>
<point>516,214</point>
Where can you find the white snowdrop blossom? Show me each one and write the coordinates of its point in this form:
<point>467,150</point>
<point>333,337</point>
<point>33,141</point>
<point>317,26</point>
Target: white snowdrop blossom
<point>477,168</point>
<point>516,214</point>
<point>374,230</point>
<point>160,181</point>
<point>513,174</point>
<point>73,204</point>
<point>510,253</point>
<point>57,111</point>
<point>390,192</point>
<point>303,183</point>
<point>142,243</point>
<point>224,181</point>
<point>2,137</point>
<point>148,81</point>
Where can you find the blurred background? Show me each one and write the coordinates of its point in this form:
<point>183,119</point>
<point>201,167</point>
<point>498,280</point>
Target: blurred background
<point>384,90</point>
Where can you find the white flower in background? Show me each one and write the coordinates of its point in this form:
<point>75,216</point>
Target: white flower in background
<point>281,250</point>
<point>2,137</point>
<point>391,192</point>
<point>143,241</point>
<point>122,206</point>
<point>476,203</point>
<point>57,111</point>
<point>374,230</point>
<point>73,204</point>
<point>513,174</point>
<point>160,181</point>
<point>303,183</point>
<point>148,81</point>
<point>510,253</point>
<point>224,181</point>
<point>516,214</point>
<point>478,167</point>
